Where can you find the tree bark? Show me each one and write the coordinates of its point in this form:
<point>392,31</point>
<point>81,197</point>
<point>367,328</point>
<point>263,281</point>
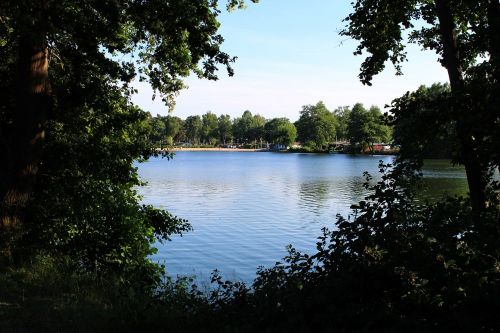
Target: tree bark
<point>28,130</point>
<point>461,108</point>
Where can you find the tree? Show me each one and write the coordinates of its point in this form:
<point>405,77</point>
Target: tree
<point>460,32</point>
<point>173,127</point>
<point>69,133</point>
<point>381,131</point>
<point>422,128</point>
<point>192,127</point>
<point>209,128</point>
<point>366,127</point>
<point>166,41</point>
<point>242,127</point>
<point>280,131</point>
<point>224,127</point>
<point>357,127</point>
<point>84,204</point>
<point>343,114</point>
<point>256,130</point>
<point>157,129</point>
<point>316,126</point>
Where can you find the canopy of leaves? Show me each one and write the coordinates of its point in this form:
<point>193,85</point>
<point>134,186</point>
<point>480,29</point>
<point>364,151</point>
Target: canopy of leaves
<point>464,35</point>
<point>367,126</point>
<point>248,127</point>
<point>316,125</point>
<point>422,125</point>
<point>192,128</point>
<point>280,131</point>
<point>380,26</point>
<point>209,128</point>
<point>343,114</point>
<point>224,127</point>
<point>84,204</point>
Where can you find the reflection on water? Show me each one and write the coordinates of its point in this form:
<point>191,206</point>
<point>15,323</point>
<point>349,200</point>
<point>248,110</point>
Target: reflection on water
<point>246,207</point>
<point>313,196</point>
<point>442,178</point>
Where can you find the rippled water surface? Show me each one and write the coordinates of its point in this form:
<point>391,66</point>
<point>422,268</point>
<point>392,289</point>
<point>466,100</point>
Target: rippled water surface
<point>246,207</point>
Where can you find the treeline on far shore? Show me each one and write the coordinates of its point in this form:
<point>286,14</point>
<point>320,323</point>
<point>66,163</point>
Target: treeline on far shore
<point>349,129</point>
<point>317,129</point>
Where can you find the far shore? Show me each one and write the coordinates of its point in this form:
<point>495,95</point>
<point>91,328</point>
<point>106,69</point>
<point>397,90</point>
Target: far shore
<point>257,150</point>
<point>215,149</point>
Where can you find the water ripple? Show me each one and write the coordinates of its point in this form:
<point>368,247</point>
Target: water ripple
<point>246,207</point>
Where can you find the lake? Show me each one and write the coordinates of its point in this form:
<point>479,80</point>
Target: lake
<point>245,207</point>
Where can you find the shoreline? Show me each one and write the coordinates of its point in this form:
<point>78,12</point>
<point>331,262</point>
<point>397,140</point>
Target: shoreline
<point>217,149</point>
<point>264,150</point>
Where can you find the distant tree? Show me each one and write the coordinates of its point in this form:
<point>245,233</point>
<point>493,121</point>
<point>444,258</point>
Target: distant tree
<point>157,129</point>
<point>280,131</point>
<point>366,127</point>
<point>209,128</point>
<point>316,126</point>
<point>357,128</point>
<point>192,128</point>
<point>342,113</point>
<point>242,127</point>
<point>381,132</point>
<point>173,127</point>
<point>256,130</point>
<point>224,127</point>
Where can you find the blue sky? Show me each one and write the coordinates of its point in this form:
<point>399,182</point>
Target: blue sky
<point>290,54</point>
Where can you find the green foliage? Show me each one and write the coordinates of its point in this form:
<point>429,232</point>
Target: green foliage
<point>209,128</point>
<point>55,294</point>
<point>280,131</point>
<point>316,125</point>
<point>192,127</point>
<point>248,127</point>
<point>157,131</point>
<point>85,205</point>
<point>173,128</point>
<point>464,35</point>
<point>366,127</point>
<point>422,124</point>
<point>319,127</point>
<point>343,115</point>
<point>166,130</point>
<point>380,27</point>
<point>224,128</point>
<point>179,38</point>
<point>395,265</point>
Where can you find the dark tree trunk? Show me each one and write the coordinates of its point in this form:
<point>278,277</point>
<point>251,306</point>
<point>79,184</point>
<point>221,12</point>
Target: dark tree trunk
<point>28,130</point>
<point>461,107</point>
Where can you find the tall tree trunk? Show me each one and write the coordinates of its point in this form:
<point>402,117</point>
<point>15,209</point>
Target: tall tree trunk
<point>461,107</point>
<point>28,130</point>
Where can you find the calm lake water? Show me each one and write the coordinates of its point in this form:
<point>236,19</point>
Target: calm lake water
<point>246,207</point>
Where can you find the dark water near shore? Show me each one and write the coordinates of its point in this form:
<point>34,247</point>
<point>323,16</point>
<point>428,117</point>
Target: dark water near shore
<point>246,207</point>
